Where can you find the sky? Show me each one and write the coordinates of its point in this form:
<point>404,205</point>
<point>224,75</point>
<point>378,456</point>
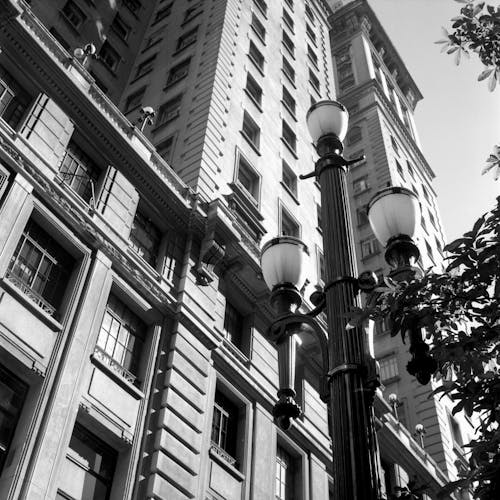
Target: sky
<point>458,120</point>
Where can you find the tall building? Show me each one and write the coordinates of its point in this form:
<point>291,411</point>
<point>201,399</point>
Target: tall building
<point>134,360</point>
<point>381,97</point>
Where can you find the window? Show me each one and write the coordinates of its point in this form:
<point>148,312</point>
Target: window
<point>233,324</point>
<point>410,169</point>
<point>13,391</point>
<point>319,221</point>
<point>284,475</point>
<point>354,136</point>
<point>287,42</point>
<point>79,172</point>
<point>89,467</point>
<point>288,20</point>
<point>145,238</point>
<point>256,56</point>
<point>400,170</point>
<point>394,145</point>
<point>430,253</point>
<point>289,226</point>
<point>290,4</point>
<point>456,433</point>
<point>321,267</point>
<point>109,56</point>
<point>132,5</point>
<point>261,5</point>
<point>40,268</point>
<point>289,101</point>
<point>426,193</point>
<point>314,81</point>
<point>362,215</point>
<point>73,14</point>
<point>289,137</point>
<point>14,100</point>
<point>163,13</point>
<point>187,39</point>
<point>310,15</point>
<point>154,38</point>
<point>289,178</point>
<point>225,427</point>
<point>134,100</point>
<point>288,70</point>
<point>369,247</point>
<point>121,28</point>
<point>312,56</point>
<point>192,12</point>
<point>145,66</point>
<point>311,34</point>
<point>258,27</point>
<point>360,185</point>
<point>388,368</point>
<point>424,224</point>
<point>250,130</point>
<point>169,110</point>
<point>248,178</point>
<point>166,148</point>
<point>120,339</point>
<point>432,219</point>
<point>178,72</point>
<point>254,90</point>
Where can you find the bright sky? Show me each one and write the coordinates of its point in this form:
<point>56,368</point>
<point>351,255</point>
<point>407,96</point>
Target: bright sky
<point>458,119</point>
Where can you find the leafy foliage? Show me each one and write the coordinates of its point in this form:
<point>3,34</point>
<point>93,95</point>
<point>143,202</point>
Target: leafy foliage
<point>460,312</point>
<point>477,30</point>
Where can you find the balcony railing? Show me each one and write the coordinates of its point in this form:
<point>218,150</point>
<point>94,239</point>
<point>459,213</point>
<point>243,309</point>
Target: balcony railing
<point>31,294</point>
<point>106,359</point>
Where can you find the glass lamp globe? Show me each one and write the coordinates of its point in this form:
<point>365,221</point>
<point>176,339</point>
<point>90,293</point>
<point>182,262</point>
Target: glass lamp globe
<point>394,211</point>
<point>327,118</point>
<point>283,262</point>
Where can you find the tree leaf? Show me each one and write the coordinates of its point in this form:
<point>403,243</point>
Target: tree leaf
<point>484,74</point>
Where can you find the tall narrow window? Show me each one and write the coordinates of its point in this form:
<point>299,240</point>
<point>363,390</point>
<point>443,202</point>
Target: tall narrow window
<point>14,100</point>
<point>251,130</point>
<point>288,70</point>
<point>258,27</point>
<point>289,226</point>
<point>187,39</point>
<point>178,72</point>
<point>145,238</point>
<point>109,56</point>
<point>248,178</point>
<point>120,339</point>
<point>13,391</point>
<point>288,20</point>
<point>169,110</point>
<point>289,45</point>
<point>79,172</point>
<point>289,101</point>
<point>369,247</point>
<point>163,12</point>
<point>166,147</point>
<point>41,268</point>
<point>233,324</point>
<point>284,487</point>
<point>262,5</point>
<point>388,368</point>
<point>73,14</point>
<point>120,27</point>
<point>256,56</point>
<point>89,467</point>
<point>254,90</point>
<point>314,81</point>
<point>224,427</point>
<point>289,137</point>
<point>289,178</point>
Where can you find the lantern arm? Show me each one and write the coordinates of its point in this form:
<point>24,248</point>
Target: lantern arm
<point>290,324</point>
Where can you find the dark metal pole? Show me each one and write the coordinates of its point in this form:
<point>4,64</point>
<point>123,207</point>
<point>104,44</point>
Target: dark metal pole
<point>355,461</point>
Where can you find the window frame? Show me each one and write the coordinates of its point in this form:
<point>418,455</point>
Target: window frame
<point>250,130</point>
<point>256,56</point>
<point>285,216</point>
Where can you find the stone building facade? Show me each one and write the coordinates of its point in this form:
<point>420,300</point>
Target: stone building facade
<point>134,360</point>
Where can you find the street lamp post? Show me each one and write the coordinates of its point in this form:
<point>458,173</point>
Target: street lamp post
<point>350,379</point>
<point>348,364</point>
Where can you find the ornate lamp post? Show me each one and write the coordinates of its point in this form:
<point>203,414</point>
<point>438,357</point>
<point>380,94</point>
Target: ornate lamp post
<point>347,384</point>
